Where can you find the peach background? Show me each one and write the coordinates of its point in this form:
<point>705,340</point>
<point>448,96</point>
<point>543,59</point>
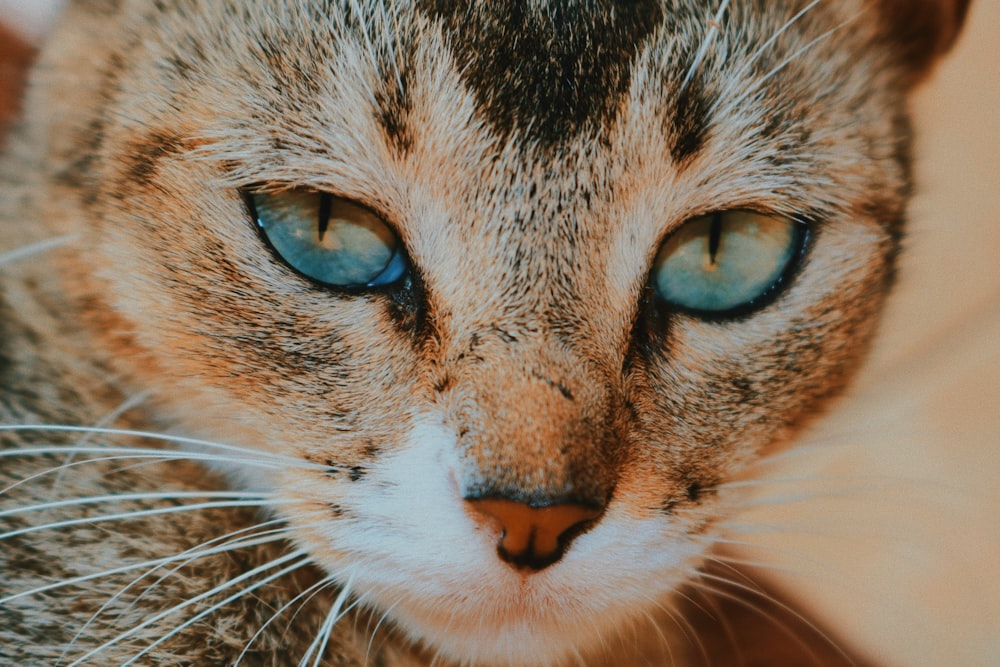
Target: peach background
<point>897,539</point>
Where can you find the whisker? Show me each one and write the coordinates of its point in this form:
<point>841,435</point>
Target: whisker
<point>792,498</point>
<point>754,590</point>
<point>756,55</point>
<point>277,562</point>
<point>36,248</point>
<point>596,629</point>
<point>658,628</point>
<point>157,562</point>
<point>103,422</point>
<point>305,596</point>
<point>141,454</point>
<point>215,607</point>
<point>176,439</point>
<point>182,559</point>
<point>756,84</point>
<point>773,481</point>
<point>159,458</point>
<point>713,592</point>
<point>382,619</point>
<point>713,29</point>
<point>195,553</point>
<point>763,563</point>
<point>718,614</point>
<point>682,623</point>
<point>152,495</point>
<point>138,514</point>
<point>323,637</point>
<point>200,551</point>
<point>822,574</point>
<point>737,526</point>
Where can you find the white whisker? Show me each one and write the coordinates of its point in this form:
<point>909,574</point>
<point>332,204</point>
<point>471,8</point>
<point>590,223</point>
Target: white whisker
<point>319,645</point>
<point>768,548</point>
<point>683,624</point>
<point>756,84</point>
<point>304,597</point>
<point>754,590</point>
<point>67,466</point>
<point>154,563</point>
<point>789,499</point>
<point>756,55</point>
<point>103,422</point>
<point>146,455</point>
<point>218,605</point>
<point>277,562</point>
<point>713,29</point>
<point>182,559</point>
<point>382,619</point>
<point>180,440</point>
<point>36,248</point>
<point>772,481</point>
<point>196,552</point>
<point>763,565</point>
<point>138,514</point>
<point>657,627</point>
<point>153,495</point>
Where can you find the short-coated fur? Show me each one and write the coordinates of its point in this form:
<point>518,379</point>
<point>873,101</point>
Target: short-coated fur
<point>532,157</point>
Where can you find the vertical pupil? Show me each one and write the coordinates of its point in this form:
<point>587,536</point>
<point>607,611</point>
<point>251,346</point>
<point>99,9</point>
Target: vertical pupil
<point>325,204</point>
<point>714,236</point>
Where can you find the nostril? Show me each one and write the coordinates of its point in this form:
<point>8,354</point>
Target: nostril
<point>534,537</point>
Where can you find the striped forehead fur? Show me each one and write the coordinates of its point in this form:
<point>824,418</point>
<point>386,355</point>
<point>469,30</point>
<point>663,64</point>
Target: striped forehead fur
<point>703,80</point>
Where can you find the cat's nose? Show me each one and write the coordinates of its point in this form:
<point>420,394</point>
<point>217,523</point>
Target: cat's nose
<point>533,537</point>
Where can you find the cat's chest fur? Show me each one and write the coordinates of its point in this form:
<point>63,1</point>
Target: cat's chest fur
<point>455,294</point>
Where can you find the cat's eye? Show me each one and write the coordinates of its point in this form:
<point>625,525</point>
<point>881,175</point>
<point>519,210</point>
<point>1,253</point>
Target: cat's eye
<point>329,239</point>
<point>727,263</point>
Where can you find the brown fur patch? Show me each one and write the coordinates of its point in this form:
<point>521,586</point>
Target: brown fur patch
<point>15,57</point>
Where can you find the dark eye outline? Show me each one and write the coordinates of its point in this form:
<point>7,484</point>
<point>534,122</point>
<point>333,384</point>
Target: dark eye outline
<point>804,230</point>
<point>398,263</point>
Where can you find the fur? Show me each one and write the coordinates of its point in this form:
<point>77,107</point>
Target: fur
<point>523,357</point>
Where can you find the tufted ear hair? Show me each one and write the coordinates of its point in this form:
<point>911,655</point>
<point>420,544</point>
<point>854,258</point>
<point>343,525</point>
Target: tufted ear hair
<point>921,30</point>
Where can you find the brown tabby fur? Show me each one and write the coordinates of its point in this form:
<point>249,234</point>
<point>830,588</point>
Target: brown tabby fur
<point>525,356</point>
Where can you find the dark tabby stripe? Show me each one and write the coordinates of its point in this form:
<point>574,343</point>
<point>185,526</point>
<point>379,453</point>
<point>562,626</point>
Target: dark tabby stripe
<point>552,73</point>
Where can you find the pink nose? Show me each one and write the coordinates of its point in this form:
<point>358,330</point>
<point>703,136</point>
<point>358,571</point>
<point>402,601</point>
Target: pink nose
<point>533,537</point>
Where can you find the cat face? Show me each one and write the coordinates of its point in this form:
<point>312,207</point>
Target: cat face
<point>484,269</point>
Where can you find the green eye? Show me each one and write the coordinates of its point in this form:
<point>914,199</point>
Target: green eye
<point>728,262</point>
<point>329,239</point>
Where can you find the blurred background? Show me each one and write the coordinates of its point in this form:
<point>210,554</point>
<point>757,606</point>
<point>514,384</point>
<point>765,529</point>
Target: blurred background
<point>892,538</point>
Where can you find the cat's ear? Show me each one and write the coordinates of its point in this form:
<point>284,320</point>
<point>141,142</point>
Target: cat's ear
<point>921,30</point>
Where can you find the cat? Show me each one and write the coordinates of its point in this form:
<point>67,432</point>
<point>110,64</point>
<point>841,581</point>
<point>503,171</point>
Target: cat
<point>426,333</point>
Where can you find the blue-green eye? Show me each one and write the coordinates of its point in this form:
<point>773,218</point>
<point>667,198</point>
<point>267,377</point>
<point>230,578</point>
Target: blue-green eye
<point>329,239</point>
<point>728,262</point>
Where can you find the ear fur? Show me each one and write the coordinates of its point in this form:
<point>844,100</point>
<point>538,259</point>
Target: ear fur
<point>921,30</point>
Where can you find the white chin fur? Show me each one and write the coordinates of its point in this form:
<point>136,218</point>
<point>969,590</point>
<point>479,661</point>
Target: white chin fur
<point>415,552</point>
